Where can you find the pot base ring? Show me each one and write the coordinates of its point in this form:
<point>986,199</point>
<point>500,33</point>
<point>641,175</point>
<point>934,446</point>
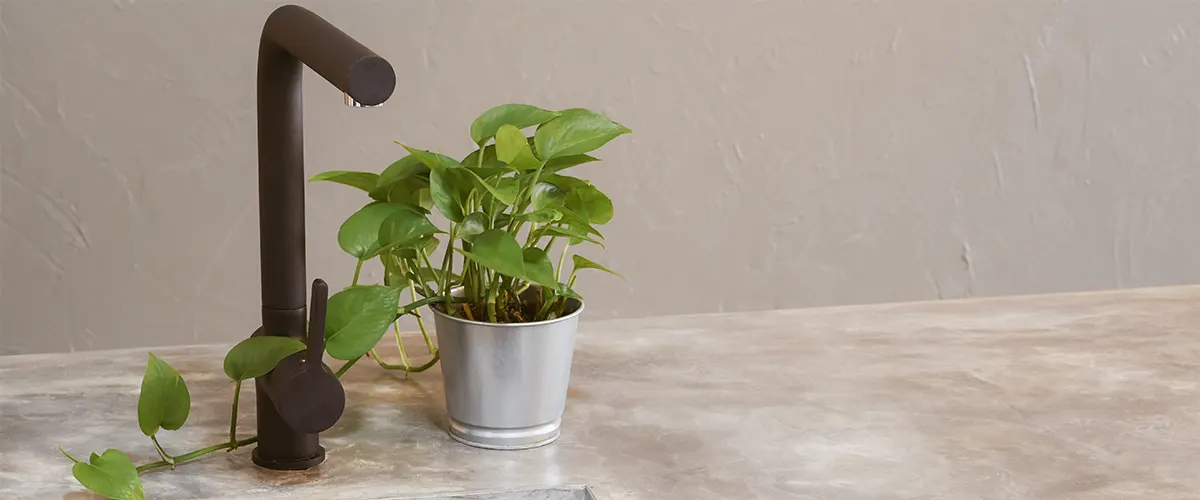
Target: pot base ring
<point>520,438</point>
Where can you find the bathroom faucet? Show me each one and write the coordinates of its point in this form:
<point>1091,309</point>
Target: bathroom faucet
<point>301,396</point>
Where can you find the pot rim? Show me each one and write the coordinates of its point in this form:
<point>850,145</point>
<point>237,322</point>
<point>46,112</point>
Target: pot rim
<point>513,325</point>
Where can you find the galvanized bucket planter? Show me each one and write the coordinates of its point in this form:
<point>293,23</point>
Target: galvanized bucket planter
<point>506,384</point>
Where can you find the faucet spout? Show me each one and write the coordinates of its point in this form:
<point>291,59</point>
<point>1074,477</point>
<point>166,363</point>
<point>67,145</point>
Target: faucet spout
<point>294,37</point>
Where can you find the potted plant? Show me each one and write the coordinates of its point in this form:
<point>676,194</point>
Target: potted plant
<point>508,332</point>
<point>507,337</point>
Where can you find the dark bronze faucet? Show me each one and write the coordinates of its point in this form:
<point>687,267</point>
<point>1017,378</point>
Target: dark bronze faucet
<point>301,397</point>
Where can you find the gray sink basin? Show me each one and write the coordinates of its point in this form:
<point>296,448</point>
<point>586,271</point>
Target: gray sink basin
<point>556,493</point>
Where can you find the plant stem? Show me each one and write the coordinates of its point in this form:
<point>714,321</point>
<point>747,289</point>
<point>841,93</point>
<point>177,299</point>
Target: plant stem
<point>189,456</point>
<point>561,257</point>
<point>237,393</point>
<point>491,300</point>
<point>421,324</point>
<point>357,270</point>
<point>166,458</point>
<point>399,345</point>
<point>545,310</point>
<point>346,367</point>
<point>447,258</point>
<point>433,271</point>
<point>401,311</point>
<point>406,368</point>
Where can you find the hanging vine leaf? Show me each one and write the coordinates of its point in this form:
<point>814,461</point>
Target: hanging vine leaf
<point>357,318</point>
<point>359,235</point>
<point>164,401</point>
<point>110,474</point>
<point>256,356</point>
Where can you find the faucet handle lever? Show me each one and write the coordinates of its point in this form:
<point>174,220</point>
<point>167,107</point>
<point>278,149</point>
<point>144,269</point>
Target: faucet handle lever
<point>316,323</point>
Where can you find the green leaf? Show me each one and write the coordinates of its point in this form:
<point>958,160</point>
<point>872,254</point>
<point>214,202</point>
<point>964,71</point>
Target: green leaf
<point>506,193</point>
<point>473,225</point>
<point>565,162</point>
<point>111,475</point>
<point>405,229</point>
<point>363,180</point>
<point>546,195</point>
<point>575,131</point>
<point>582,262</point>
<point>587,199</point>
<point>450,189</point>
<point>256,356</point>
<point>412,191</point>
<point>512,148</point>
<point>577,234</point>
<point>359,235</point>
<point>517,115</point>
<point>449,183</point>
<point>164,401</point>
<point>435,161</point>
<point>357,318</point>
<point>490,162</point>
<point>400,170</point>
<point>538,267</point>
<point>499,251</point>
<point>584,199</point>
<point>573,218</point>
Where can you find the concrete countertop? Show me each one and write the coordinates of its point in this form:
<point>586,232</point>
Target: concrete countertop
<point>1045,397</point>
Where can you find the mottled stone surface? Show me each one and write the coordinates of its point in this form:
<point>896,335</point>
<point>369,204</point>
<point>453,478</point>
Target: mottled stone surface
<point>1054,397</point>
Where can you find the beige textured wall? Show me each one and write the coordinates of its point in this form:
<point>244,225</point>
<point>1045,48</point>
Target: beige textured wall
<point>787,153</point>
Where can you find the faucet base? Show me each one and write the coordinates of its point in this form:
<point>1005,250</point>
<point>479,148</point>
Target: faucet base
<point>276,464</point>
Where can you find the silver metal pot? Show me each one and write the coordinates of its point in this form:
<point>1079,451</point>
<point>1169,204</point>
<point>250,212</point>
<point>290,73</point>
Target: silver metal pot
<point>506,384</point>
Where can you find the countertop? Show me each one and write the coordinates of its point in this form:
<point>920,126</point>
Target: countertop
<point>1074,396</point>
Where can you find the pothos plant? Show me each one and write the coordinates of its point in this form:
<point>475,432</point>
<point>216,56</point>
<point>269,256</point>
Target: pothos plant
<point>506,205</point>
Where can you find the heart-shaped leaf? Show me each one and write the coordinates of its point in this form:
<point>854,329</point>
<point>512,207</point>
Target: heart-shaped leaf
<point>405,229</point>
<point>575,131</point>
<point>164,401</point>
<point>363,180</point>
<point>450,189</point>
<point>357,318</point>
<point>546,195</point>
<point>256,356</point>
<point>498,250</point>
<point>518,115</point>
<point>587,199</point>
<point>110,474</point>
<point>538,268</point>
<point>359,234</point>
<point>512,148</point>
<point>564,162</point>
<point>400,170</point>
<point>582,262</point>
<point>473,225</point>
